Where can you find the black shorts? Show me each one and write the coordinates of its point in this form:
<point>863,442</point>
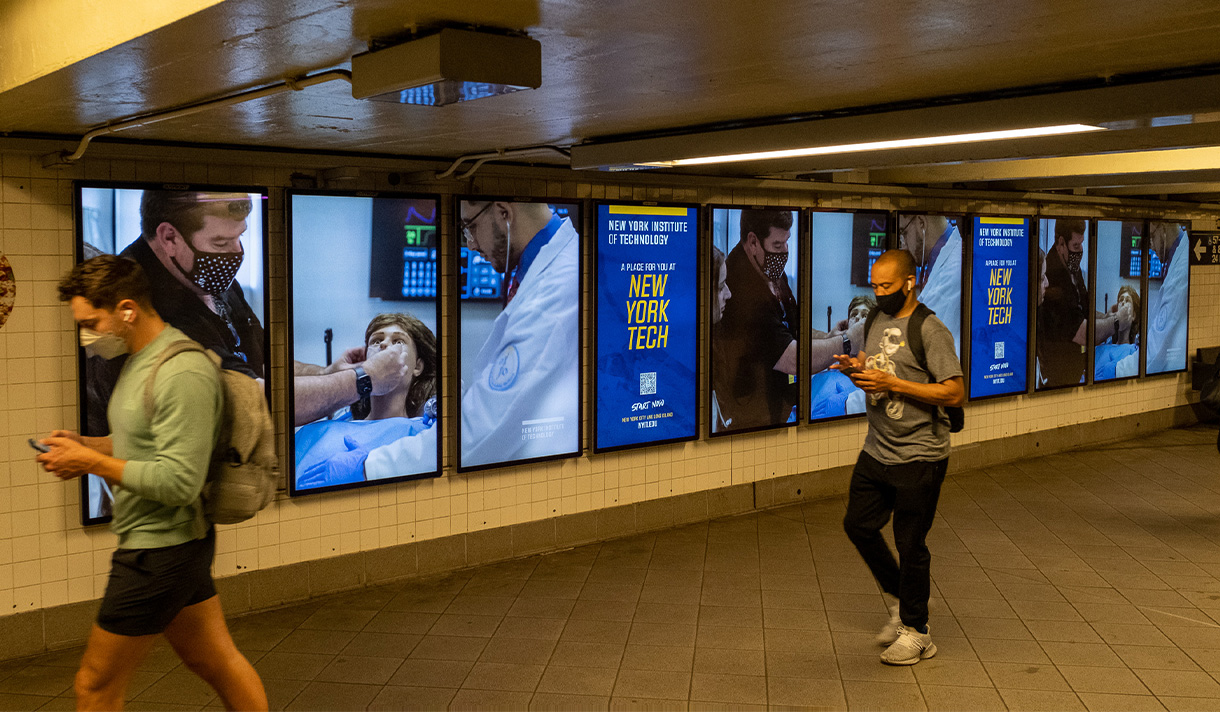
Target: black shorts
<point>149,587</point>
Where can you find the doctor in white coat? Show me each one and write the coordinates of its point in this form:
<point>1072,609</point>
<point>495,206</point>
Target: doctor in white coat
<point>938,266</point>
<point>523,400</point>
<point>1165,333</point>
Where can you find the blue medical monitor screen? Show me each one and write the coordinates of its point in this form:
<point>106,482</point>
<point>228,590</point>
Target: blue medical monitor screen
<point>999,306</point>
<point>647,329</point>
<point>935,241</point>
<point>1168,297</point>
<point>1063,302</point>
<point>756,319</point>
<point>160,228</point>
<point>404,250</point>
<point>842,250</point>
<point>520,336</point>
<point>365,342</point>
<point>1117,329</point>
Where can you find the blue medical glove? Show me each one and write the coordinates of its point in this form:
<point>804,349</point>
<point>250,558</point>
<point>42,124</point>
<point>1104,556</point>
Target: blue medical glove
<point>341,469</point>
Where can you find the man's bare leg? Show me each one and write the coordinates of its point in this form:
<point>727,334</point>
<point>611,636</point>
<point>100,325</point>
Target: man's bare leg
<point>106,668</point>
<point>200,637</point>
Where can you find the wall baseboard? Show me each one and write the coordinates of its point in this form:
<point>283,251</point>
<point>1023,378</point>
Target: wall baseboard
<point>59,627</point>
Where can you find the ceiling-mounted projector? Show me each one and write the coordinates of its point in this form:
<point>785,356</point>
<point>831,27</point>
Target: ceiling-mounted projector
<point>447,67</point>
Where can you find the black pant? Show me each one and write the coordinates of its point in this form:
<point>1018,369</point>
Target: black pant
<point>910,492</point>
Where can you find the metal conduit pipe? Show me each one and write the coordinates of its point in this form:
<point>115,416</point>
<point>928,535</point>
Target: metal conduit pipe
<point>63,157</point>
<point>481,158</point>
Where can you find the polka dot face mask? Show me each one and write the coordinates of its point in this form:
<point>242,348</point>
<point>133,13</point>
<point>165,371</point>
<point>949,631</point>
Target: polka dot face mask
<point>213,272</point>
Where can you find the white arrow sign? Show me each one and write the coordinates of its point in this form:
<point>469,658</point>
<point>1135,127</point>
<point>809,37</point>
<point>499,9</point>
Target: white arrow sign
<point>1199,249</point>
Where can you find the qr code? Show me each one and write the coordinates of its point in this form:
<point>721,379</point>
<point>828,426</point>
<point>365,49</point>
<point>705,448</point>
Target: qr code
<point>648,384</point>
<point>999,349</point>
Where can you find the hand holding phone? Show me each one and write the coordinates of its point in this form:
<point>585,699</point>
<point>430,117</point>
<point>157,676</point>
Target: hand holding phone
<point>847,364</point>
<point>39,446</point>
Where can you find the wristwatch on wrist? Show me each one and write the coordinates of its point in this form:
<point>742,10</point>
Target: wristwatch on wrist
<point>846,345</point>
<point>364,384</point>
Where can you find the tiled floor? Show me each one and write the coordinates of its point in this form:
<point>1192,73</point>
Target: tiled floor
<point>1086,580</point>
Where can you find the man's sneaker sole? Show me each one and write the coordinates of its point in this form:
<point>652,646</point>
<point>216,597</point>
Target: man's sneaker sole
<point>924,655</point>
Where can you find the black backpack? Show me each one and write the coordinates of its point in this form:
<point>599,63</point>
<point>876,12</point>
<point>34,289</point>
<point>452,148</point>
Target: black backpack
<point>1209,394</point>
<point>957,416</point>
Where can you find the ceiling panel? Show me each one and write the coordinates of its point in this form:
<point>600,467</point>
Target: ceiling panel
<point>610,68</point>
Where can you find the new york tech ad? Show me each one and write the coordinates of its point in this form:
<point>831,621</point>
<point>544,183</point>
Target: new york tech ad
<point>647,328</point>
<point>999,312</point>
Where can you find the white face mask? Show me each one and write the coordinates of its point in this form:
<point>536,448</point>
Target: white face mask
<point>107,346</point>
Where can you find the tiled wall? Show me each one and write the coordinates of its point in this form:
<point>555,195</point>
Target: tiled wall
<point>47,559</point>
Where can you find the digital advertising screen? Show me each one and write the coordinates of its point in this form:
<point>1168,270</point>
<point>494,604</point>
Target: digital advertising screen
<point>646,325</point>
<point>1118,303</point>
<point>365,339</point>
<point>1168,296</point>
<point>999,306</point>
<point>204,251</point>
<point>935,241</point>
<point>842,250</point>
<point>1063,303</point>
<point>755,342</point>
<point>519,331</point>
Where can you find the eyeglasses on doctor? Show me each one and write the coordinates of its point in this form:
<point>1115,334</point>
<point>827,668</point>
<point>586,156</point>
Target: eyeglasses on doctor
<point>467,224</point>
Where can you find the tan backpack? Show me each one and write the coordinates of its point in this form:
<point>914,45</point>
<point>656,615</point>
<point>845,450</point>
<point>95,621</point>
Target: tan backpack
<point>244,472</point>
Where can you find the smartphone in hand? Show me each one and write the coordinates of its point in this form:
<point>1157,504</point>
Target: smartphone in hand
<point>39,446</point>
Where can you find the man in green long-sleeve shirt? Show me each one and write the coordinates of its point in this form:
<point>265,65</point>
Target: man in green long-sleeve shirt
<point>160,578</point>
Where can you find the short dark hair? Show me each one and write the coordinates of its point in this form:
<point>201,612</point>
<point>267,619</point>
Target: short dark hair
<point>106,280</point>
<point>185,209</point>
<point>760,222</point>
<point>1064,229</point>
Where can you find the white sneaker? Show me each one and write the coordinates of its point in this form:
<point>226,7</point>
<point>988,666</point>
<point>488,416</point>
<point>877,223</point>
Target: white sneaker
<point>889,633</point>
<point>911,647</point>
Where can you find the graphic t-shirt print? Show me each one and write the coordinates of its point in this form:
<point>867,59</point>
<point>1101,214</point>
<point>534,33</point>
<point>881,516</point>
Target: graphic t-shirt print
<point>891,341</point>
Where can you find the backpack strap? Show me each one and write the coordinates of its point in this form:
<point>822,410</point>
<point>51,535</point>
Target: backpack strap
<point>915,334</point>
<point>175,348</point>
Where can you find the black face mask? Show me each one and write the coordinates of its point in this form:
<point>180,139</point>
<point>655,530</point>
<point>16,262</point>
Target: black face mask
<point>773,264</point>
<point>892,303</point>
<point>1074,259</point>
<point>213,272</point>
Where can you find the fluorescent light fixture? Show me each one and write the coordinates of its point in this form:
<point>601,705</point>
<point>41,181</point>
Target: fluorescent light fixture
<point>879,145</point>
<point>449,66</point>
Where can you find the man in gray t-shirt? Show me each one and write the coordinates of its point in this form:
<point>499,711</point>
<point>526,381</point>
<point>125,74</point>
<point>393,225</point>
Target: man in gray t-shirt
<point>906,452</point>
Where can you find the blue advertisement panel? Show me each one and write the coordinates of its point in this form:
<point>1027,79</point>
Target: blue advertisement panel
<point>647,325</point>
<point>999,312</point>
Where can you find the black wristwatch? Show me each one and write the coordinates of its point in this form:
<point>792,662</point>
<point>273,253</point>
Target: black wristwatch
<point>364,384</point>
<point>846,345</point>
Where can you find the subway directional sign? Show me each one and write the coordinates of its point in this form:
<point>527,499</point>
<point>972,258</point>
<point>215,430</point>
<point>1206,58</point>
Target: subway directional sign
<point>1204,248</point>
